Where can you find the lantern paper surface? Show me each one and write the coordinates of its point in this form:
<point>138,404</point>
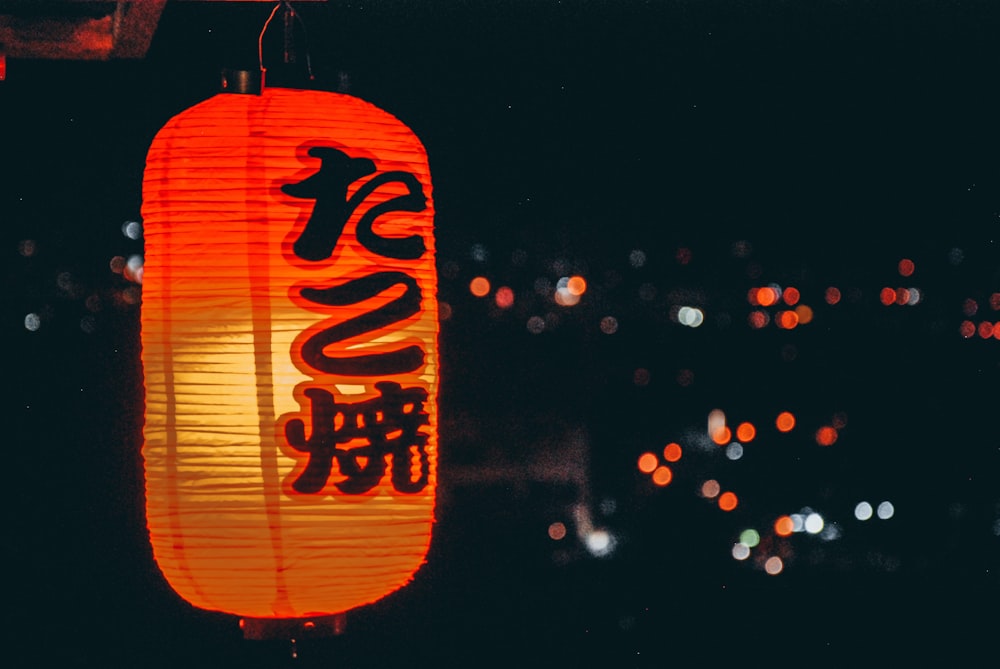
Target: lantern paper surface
<point>289,350</point>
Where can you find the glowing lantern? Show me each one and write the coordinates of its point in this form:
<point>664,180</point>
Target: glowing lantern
<point>289,351</point>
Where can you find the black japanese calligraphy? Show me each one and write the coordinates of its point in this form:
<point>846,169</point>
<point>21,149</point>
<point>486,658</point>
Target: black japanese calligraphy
<point>390,425</point>
<point>333,208</point>
<point>354,291</point>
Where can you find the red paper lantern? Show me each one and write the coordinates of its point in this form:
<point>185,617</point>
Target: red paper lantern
<point>289,351</point>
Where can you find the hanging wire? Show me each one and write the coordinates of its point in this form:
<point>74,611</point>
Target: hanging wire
<point>305,35</point>
<point>260,43</point>
<point>260,40</point>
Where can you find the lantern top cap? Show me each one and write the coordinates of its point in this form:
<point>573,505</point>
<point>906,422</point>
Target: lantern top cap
<point>247,82</point>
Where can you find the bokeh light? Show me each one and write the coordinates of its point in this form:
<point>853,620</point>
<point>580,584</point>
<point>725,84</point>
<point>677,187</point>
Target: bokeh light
<point>648,463</point>
<point>767,296</point>
<point>132,229</point>
<point>758,319</point>
<point>504,297</point>
<point>885,510</point>
<point>787,320</point>
<point>134,268</point>
<point>564,295</point>
<point>826,435</point>
<point>672,452</point>
<point>746,432</point>
<point>785,421</point>
<point>728,501</point>
<point>662,475</point>
<point>774,565</point>
<point>27,247</point>
<point>814,523</point>
<point>722,435</point>
<point>479,286</point>
<point>690,316</point>
<point>557,531</point>
<point>576,285</point>
<point>784,526</point>
<point>863,511</point>
<point>710,489</point>
<point>740,551</point>
<point>600,543</point>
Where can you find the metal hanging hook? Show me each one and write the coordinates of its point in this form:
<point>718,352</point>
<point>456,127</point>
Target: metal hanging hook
<point>290,17</point>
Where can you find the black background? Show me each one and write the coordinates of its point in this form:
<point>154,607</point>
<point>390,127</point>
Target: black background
<point>827,140</point>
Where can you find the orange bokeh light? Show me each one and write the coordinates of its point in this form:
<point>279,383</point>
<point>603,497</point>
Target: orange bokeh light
<point>648,463</point>
<point>767,296</point>
<point>746,432</point>
<point>791,296</point>
<point>785,421</point>
<point>826,435</point>
<point>986,329</point>
<point>906,267</point>
<point>784,526</point>
<point>805,313</point>
<point>728,501</point>
<point>480,286</point>
<point>662,476</point>
<point>710,488</point>
<point>722,435</point>
<point>672,452</point>
<point>787,320</point>
<point>576,285</point>
<point>887,296</point>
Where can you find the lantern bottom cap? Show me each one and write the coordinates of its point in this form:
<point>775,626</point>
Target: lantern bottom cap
<point>315,627</point>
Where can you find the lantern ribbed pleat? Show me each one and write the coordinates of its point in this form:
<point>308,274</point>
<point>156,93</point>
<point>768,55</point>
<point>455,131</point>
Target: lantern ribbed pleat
<point>223,327</point>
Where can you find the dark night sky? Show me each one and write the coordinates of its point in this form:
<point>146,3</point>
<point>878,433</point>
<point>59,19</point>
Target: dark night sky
<point>827,140</point>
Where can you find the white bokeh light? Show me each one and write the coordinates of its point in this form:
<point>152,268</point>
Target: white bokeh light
<point>132,229</point>
<point>863,511</point>
<point>690,316</point>
<point>886,510</point>
<point>814,523</point>
<point>600,543</point>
